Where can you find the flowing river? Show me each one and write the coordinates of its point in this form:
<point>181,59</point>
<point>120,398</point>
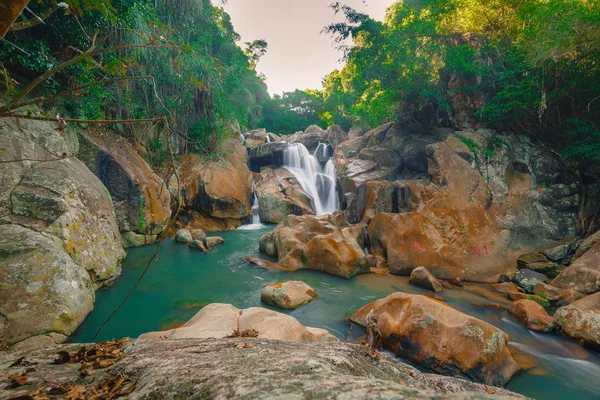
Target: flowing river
<point>182,281</point>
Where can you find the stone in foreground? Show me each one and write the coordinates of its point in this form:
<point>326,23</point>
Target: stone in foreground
<point>183,236</point>
<point>439,337</point>
<point>422,277</point>
<point>221,320</point>
<point>292,294</point>
<point>249,368</point>
<point>532,315</point>
<point>581,319</point>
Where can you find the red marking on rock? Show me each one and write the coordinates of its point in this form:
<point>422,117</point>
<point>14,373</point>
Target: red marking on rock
<point>418,246</point>
<point>486,249</point>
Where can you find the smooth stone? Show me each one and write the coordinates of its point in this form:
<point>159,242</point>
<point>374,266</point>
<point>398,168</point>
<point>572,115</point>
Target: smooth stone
<point>532,315</point>
<point>183,236</point>
<point>422,277</point>
<point>292,294</point>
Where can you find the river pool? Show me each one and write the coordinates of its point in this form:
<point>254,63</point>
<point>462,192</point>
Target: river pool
<point>182,281</point>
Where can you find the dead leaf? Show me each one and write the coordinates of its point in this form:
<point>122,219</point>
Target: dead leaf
<point>243,345</point>
<point>17,380</point>
<point>75,393</point>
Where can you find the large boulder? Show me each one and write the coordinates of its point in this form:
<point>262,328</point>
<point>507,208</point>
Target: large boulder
<point>310,138</point>
<point>239,368</point>
<point>439,337</point>
<point>59,238</point>
<point>267,155</point>
<point>141,198</point>
<point>279,195</point>
<point>581,319</point>
<point>477,218</point>
<point>220,190</point>
<point>421,277</point>
<point>310,242</point>
<point>584,274</point>
<point>223,320</point>
<point>292,294</point>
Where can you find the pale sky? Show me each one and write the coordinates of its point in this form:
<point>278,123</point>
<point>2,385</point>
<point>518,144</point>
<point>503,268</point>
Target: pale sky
<point>299,56</point>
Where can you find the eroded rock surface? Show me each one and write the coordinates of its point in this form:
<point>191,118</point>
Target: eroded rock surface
<point>581,319</point>
<point>310,242</point>
<point>279,195</point>
<point>439,337</point>
<point>59,238</point>
<point>292,294</point>
<point>250,368</point>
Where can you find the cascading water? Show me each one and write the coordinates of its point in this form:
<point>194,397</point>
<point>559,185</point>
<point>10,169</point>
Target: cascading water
<point>255,213</point>
<point>268,139</point>
<point>317,182</point>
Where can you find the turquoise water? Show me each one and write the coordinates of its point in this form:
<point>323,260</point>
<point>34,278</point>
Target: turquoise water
<point>182,281</point>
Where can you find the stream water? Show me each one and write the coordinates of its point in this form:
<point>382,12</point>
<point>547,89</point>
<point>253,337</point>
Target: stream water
<point>182,281</point>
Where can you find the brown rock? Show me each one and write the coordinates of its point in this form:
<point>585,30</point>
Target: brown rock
<point>213,241</point>
<point>292,294</point>
<point>279,195</point>
<point>581,319</point>
<point>310,242</point>
<point>584,274</point>
<point>532,315</point>
<point>554,294</point>
<point>421,277</point>
<point>506,287</point>
<point>438,336</point>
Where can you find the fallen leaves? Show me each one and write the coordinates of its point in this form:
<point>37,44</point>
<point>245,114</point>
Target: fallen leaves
<point>247,333</point>
<point>16,380</point>
<point>243,345</point>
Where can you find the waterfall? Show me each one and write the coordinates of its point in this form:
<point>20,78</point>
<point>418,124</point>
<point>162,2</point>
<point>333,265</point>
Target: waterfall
<point>317,182</point>
<point>268,139</point>
<point>255,213</point>
<point>242,137</point>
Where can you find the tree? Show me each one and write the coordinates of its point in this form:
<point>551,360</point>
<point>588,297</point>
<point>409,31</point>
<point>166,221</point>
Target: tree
<point>255,50</point>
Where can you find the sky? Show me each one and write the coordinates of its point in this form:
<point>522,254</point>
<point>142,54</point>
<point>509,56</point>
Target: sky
<point>298,56</point>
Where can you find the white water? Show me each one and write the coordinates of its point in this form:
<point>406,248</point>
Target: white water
<point>317,182</point>
<point>268,139</point>
<point>255,214</point>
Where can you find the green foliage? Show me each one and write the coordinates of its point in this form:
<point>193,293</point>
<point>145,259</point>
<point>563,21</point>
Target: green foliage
<point>202,80</point>
<point>584,143</point>
<point>293,112</point>
<point>472,145</point>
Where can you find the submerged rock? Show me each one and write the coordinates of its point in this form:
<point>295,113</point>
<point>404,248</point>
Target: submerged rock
<point>213,241</point>
<point>532,315</point>
<point>249,368</point>
<point>292,294</point>
<point>310,242</point>
<point>421,277</point>
<point>221,320</point>
<point>439,337</point>
<point>581,319</point>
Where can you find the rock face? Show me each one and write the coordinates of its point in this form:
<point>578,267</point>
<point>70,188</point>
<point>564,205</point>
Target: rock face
<point>421,277</point>
<point>218,192</point>
<point>581,319</point>
<point>259,137</point>
<point>59,238</point>
<point>237,368</point>
<point>221,320</point>
<point>310,242</point>
<point>478,214</point>
<point>292,294</point>
<point>584,274</point>
<point>439,337</point>
<point>532,315</point>
<point>279,195</point>
<point>267,155</point>
<point>141,198</point>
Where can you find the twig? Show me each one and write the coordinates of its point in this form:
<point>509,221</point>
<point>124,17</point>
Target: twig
<point>154,256</point>
<point>84,121</point>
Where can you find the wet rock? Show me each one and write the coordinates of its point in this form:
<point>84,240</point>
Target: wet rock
<point>439,337</point>
<point>456,282</point>
<point>279,195</point>
<point>213,241</point>
<point>310,242</point>
<point>183,236</point>
<point>198,234</point>
<point>267,155</point>
<point>250,368</point>
<point>141,198</point>
<point>584,274</point>
<point>421,277</point>
<point>506,287</point>
<point>561,251</point>
<point>554,294</point>
<point>581,319</point>
<point>504,278</point>
<point>527,279</point>
<point>292,294</point>
<point>538,262</point>
<point>516,296</point>
<point>193,220</point>
<point>198,245</point>
<point>532,315</point>
<point>586,245</point>
<point>310,138</point>
<point>221,320</point>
